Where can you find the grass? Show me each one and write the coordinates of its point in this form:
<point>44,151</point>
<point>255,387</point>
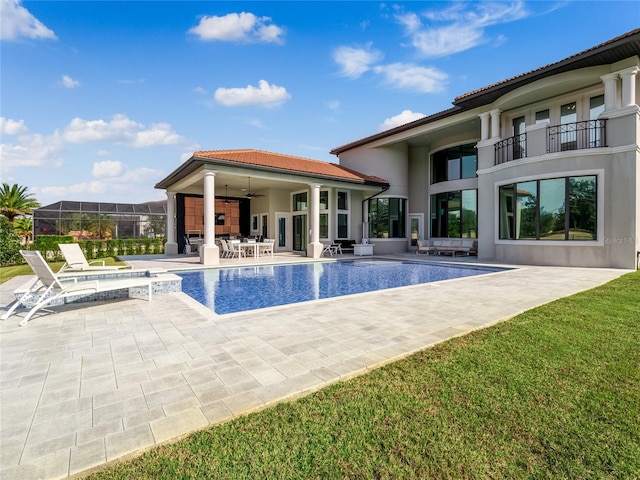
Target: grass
<point>7,273</point>
<point>553,393</point>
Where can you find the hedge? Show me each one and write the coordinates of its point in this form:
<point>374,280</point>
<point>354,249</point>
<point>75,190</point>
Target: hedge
<point>48,246</point>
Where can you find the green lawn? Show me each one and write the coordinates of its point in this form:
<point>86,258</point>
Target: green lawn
<point>7,273</point>
<point>553,393</point>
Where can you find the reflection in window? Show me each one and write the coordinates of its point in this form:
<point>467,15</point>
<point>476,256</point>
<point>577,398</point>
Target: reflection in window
<point>299,201</point>
<point>568,138</point>
<point>324,225</point>
<point>343,230</point>
<point>526,199</point>
<point>540,212</point>
<point>582,208</point>
<point>552,201</point>
<point>343,202</point>
<point>387,218</point>
<point>542,116</point>
<point>324,200</point>
<point>454,214</point>
<point>454,163</point>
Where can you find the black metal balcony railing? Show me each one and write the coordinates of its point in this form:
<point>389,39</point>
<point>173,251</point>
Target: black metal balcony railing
<point>511,148</point>
<point>560,138</point>
<point>576,136</point>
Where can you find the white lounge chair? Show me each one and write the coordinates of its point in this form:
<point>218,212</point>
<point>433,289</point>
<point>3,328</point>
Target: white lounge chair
<point>49,288</point>
<point>75,261</point>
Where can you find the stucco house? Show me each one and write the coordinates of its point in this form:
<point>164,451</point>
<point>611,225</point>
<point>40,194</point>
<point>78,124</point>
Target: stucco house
<point>541,168</point>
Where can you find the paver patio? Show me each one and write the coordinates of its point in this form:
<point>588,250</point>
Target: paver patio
<point>95,383</point>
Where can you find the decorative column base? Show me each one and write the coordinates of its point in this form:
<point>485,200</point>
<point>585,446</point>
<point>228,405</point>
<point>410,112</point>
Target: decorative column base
<point>314,250</point>
<point>171,248</point>
<point>209,255</point>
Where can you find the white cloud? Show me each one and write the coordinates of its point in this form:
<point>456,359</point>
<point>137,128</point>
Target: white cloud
<point>402,118</point>
<point>108,168</point>
<point>9,126</point>
<point>16,22</point>
<point>264,95</point>
<point>69,82</point>
<point>158,134</point>
<point>355,61</point>
<point>238,27</point>
<point>200,90</point>
<point>31,150</point>
<point>125,184</point>
<point>462,26</point>
<point>69,191</point>
<point>413,77</point>
<point>121,130</point>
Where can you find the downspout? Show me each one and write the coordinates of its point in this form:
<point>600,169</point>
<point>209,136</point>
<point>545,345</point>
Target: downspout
<point>365,235</point>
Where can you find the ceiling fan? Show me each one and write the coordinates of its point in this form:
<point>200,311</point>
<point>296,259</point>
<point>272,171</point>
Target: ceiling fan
<point>248,190</point>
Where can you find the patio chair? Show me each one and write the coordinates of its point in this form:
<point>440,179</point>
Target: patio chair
<point>266,247</point>
<point>75,261</point>
<point>235,249</point>
<point>49,288</point>
<point>226,251</point>
<point>189,247</point>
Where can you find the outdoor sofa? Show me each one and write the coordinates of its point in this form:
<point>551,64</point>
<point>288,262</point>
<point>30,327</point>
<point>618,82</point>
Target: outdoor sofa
<point>345,245</point>
<point>452,246</point>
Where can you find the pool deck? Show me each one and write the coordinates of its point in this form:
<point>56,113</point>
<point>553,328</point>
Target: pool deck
<point>96,383</point>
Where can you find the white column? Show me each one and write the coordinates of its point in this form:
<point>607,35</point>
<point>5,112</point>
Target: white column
<point>484,126</point>
<point>209,207</point>
<point>209,253</point>
<point>314,211</point>
<point>629,86</point>
<point>314,248</point>
<point>610,91</point>
<point>171,247</point>
<point>495,122</point>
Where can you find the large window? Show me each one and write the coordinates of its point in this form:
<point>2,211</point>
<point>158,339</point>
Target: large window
<point>343,214</point>
<point>454,214</point>
<point>299,201</point>
<point>387,218</point>
<point>553,209</point>
<point>454,163</point>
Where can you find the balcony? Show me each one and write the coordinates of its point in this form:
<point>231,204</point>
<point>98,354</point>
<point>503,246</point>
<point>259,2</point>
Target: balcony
<point>559,138</point>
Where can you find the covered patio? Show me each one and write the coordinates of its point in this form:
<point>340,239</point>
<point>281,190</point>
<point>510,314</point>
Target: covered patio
<point>251,193</point>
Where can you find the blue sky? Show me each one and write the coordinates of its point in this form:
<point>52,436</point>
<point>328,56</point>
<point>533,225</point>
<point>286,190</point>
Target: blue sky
<point>100,100</point>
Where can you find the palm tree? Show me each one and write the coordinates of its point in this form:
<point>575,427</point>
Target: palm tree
<point>24,227</point>
<point>101,226</point>
<point>15,201</point>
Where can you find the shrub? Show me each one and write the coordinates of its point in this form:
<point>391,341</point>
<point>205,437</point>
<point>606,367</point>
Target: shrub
<point>10,243</point>
<point>48,245</point>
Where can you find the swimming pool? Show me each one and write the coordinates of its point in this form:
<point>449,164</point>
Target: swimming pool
<point>229,290</point>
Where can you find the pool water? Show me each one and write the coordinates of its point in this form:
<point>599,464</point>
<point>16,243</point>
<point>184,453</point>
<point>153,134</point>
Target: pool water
<point>229,290</point>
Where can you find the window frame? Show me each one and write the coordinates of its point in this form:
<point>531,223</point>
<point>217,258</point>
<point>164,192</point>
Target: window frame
<point>599,224</point>
<point>443,163</point>
<point>402,217</point>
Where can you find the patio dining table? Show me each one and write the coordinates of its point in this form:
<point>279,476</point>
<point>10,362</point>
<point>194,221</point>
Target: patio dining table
<point>255,247</point>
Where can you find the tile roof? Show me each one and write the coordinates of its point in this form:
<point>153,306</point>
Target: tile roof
<point>288,163</point>
<point>568,60</point>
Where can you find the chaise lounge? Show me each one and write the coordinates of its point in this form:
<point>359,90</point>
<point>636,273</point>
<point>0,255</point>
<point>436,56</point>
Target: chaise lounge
<point>48,288</point>
<point>75,261</point>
